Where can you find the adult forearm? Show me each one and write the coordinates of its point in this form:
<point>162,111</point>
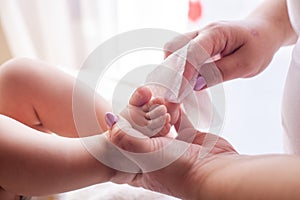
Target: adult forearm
<point>253,177</point>
<point>275,15</point>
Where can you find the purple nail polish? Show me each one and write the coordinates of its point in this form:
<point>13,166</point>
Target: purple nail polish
<point>200,83</point>
<point>110,119</point>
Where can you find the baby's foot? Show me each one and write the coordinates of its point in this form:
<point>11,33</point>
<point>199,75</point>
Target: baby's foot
<point>147,115</point>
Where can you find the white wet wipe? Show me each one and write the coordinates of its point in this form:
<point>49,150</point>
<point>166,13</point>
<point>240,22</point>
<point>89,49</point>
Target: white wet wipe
<point>166,81</point>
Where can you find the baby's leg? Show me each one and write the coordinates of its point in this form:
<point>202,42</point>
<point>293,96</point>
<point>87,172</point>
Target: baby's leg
<point>147,115</point>
<point>40,96</point>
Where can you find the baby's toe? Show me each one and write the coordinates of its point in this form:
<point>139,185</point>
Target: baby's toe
<point>159,125</point>
<point>166,127</point>
<point>157,101</point>
<point>140,97</point>
<point>156,112</point>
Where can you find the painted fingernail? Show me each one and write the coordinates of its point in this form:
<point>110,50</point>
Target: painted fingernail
<point>110,119</point>
<point>200,83</point>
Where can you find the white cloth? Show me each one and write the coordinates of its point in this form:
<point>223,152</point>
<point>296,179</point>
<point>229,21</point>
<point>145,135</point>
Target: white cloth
<point>291,97</point>
<point>294,14</point>
<point>167,81</point>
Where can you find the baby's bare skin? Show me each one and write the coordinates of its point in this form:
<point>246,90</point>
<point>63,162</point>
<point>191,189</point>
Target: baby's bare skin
<point>146,114</point>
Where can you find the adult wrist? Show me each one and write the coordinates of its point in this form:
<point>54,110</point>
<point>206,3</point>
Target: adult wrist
<point>273,17</point>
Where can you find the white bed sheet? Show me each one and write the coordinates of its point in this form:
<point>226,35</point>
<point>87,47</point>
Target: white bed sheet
<point>108,191</point>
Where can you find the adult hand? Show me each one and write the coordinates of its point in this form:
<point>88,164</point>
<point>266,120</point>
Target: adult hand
<point>240,49</point>
<point>198,157</point>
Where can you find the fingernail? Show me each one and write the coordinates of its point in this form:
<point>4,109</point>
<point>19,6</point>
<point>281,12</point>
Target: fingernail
<point>110,119</point>
<point>200,83</point>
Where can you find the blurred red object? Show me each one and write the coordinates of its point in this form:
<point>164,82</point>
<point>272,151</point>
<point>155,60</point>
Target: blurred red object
<point>195,10</point>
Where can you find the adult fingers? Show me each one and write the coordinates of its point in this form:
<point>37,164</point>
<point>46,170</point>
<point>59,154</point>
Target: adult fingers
<point>127,138</point>
<point>212,144</point>
<point>200,51</point>
<point>124,136</point>
<point>178,42</point>
<point>218,39</point>
<point>236,65</point>
<point>185,129</point>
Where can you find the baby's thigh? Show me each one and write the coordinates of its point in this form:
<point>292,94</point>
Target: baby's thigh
<point>23,86</point>
<point>17,90</point>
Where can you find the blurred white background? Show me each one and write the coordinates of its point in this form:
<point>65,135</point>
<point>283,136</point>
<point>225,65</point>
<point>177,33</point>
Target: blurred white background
<point>64,32</point>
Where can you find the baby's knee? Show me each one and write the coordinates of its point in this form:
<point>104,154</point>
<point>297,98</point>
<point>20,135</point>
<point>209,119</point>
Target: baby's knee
<point>16,71</point>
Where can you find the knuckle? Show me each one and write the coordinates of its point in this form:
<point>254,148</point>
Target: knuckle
<point>216,30</point>
<point>211,25</point>
<point>216,25</point>
<point>169,46</point>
